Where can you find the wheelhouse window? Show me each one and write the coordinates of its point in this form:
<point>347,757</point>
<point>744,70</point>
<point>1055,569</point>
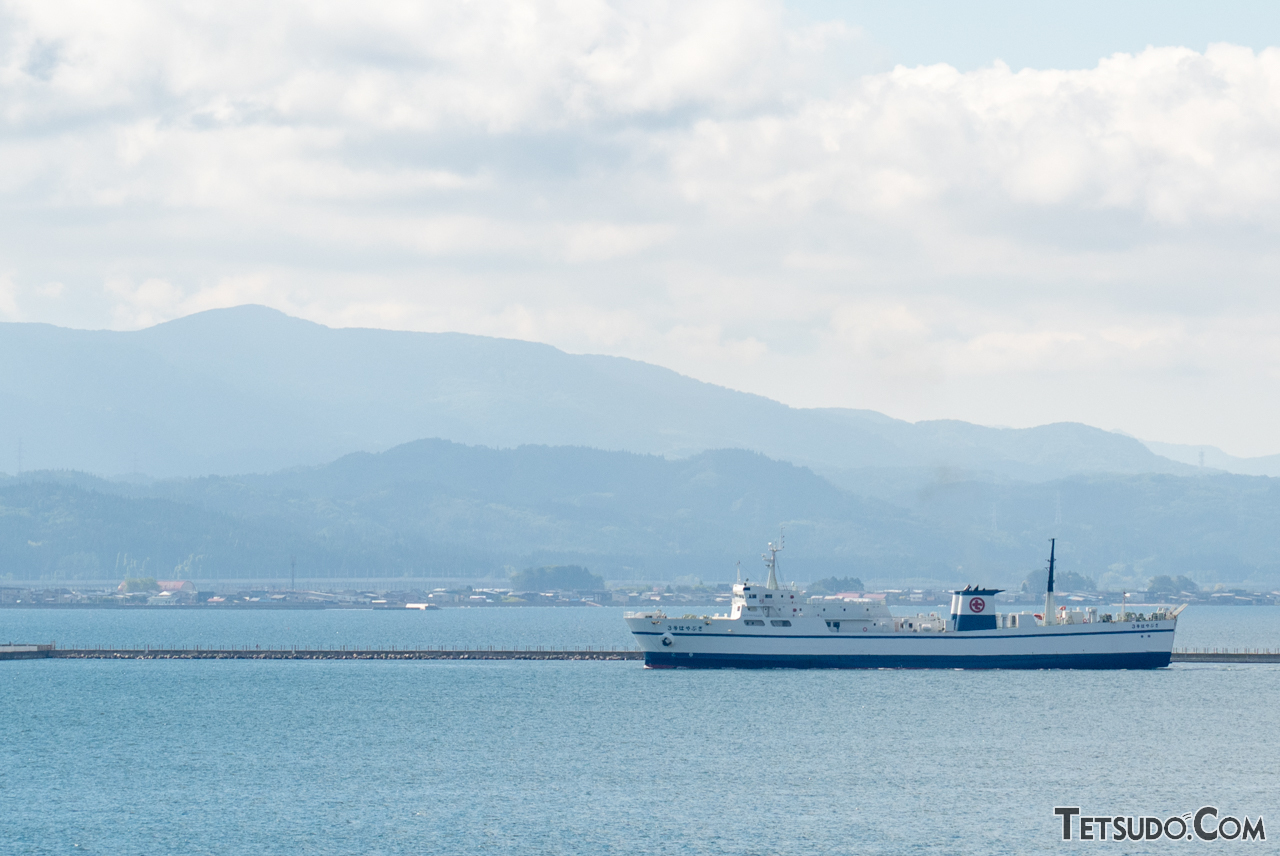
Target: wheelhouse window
<point>780,623</point>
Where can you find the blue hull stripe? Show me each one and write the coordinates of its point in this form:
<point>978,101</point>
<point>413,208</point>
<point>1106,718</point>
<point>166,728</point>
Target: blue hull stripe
<point>950,635</point>
<point>1136,660</point>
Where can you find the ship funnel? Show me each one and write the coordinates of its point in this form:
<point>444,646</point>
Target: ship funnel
<point>974,608</point>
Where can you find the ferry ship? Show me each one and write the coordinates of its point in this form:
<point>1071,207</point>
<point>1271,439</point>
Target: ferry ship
<point>771,626</point>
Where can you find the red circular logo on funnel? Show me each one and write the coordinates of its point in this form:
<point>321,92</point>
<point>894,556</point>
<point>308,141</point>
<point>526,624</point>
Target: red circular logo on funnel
<point>977,604</point>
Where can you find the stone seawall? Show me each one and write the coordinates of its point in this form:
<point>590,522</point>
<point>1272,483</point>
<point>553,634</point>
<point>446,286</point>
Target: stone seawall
<point>35,652</point>
<point>355,654</point>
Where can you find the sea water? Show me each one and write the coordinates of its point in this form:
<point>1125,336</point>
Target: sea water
<point>480,627</point>
<point>340,757</point>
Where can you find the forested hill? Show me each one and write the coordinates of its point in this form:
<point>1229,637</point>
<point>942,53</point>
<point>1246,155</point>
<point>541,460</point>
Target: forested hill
<point>434,508</point>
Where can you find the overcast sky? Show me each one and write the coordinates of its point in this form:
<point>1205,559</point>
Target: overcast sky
<point>1007,213</point>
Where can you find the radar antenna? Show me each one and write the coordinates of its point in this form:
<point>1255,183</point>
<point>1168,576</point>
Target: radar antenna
<point>771,560</point>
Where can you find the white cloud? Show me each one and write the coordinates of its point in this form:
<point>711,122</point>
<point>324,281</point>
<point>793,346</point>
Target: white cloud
<point>593,242</point>
<point>701,184</point>
<point>9,300</point>
<point>1169,134</point>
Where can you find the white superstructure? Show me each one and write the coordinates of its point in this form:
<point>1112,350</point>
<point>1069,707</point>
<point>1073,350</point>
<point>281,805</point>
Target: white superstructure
<point>773,626</point>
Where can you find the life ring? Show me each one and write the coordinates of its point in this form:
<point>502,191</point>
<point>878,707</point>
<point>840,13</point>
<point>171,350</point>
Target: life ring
<point>668,640</point>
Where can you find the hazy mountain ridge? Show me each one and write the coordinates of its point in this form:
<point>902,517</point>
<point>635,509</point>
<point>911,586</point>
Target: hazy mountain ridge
<point>61,530</point>
<point>433,508</point>
<point>250,389</point>
<point>1118,529</point>
<point>1215,458</point>
<point>439,509</point>
<point>550,458</point>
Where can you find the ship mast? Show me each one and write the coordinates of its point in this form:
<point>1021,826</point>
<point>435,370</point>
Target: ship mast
<point>1050,617</point>
<point>771,561</point>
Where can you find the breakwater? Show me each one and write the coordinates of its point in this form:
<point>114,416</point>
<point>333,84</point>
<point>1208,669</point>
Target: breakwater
<point>30,652</point>
<point>250,652</point>
<point>1238,655</point>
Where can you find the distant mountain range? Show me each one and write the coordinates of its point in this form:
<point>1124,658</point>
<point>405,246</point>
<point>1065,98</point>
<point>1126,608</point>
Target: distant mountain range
<point>1211,457</point>
<point>382,453</point>
<point>437,509</point>
<point>250,389</point>
<point>434,509</point>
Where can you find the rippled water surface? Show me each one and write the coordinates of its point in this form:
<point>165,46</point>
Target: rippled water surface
<point>253,757</point>
<point>1223,627</point>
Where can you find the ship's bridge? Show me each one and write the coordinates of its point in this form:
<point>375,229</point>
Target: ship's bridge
<point>751,599</point>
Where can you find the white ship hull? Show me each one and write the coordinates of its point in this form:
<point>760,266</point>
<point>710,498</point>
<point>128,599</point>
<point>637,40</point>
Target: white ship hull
<point>810,643</point>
